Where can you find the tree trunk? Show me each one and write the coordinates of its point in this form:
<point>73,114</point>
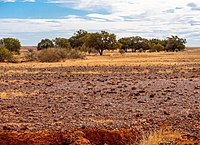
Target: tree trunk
<point>101,52</point>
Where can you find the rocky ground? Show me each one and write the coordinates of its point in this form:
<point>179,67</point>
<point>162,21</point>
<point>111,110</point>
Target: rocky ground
<point>111,97</point>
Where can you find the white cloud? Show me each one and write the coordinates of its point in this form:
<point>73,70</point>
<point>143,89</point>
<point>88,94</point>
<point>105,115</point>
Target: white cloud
<point>169,11</point>
<point>72,23</point>
<point>152,18</point>
<point>105,17</point>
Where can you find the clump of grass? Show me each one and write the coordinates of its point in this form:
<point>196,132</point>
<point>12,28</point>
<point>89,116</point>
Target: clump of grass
<point>160,137</point>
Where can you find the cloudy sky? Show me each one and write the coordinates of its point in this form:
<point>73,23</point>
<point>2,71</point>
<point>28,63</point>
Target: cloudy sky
<point>32,20</point>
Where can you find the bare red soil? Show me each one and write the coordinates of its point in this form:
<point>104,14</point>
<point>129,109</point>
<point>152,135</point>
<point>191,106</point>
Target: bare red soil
<point>137,98</point>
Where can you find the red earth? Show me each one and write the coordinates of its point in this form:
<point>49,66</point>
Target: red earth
<point>105,103</point>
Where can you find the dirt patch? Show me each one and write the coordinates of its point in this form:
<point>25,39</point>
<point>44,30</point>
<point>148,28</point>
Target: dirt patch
<point>139,97</point>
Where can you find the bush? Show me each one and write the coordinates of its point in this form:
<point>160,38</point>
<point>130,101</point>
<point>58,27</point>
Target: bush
<point>156,47</point>
<point>88,50</point>
<point>75,54</point>
<point>47,55</point>
<point>56,54</point>
<point>31,55</point>
<point>6,55</point>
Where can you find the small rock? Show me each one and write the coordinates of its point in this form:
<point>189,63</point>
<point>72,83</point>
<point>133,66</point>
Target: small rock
<point>141,102</point>
<point>152,96</point>
<point>133,88</point>
<point>137,94</point>
<point>6,128</point>
<point>24,128</point>
<point>141,91</point>
<point>166,113</point>
<point>138,115</point>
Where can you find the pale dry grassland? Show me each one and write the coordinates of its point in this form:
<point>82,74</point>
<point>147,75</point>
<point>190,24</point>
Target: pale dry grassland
<point>114,58</point>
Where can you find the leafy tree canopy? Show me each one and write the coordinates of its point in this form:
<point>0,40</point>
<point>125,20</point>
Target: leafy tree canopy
<point>78,39</point>
<point>11,44</point>
<point>61,43</point>
<point>102,41</point>
<point>44,44</point>
<point>174,43</point>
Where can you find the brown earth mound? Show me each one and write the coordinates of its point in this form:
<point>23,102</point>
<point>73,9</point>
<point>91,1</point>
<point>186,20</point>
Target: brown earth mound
<point>86,136</point>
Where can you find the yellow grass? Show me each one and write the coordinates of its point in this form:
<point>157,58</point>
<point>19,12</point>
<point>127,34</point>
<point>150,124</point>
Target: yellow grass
<point>7,94</point>
<point>161,136</point>
<point>128,59</point>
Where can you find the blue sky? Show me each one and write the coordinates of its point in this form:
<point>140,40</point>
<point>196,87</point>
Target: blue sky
<point>32,20</point>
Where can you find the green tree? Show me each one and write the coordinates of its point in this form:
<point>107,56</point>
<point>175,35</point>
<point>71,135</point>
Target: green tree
<point>125,43</point>
<point>102,41</point>
<point>138,43</point>
<point>11,44</point>
<point>44,44</point>
<point>134,43</point>
<point>78,39</point>
<point>175,43</point>
<point>154,42</point>
<point>61,43</point>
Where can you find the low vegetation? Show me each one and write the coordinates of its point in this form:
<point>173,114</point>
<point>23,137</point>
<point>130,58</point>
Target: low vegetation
<point>160,137</point>
<point>6,55</point>
<point>53,55</point>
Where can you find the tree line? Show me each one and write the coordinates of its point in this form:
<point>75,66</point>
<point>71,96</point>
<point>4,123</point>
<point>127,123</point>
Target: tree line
<point>100,41</point>
<point>97,42</point>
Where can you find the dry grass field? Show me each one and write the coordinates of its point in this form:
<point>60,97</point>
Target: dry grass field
<point>133,98</point>
<point>189,56</point>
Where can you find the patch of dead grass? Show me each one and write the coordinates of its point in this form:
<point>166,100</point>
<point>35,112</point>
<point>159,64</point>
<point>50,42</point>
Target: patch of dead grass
<point>114,58</point>
<point>7,94</point>
<point>160,137</point>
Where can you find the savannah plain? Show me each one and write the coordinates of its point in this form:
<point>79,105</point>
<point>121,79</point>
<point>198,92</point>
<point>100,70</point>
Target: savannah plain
<point>115,99</point>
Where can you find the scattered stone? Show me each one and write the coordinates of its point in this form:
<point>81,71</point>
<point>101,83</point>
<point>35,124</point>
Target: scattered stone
<point>24,128</point>
<point>152,96</point>
<point>6,128</point>
<point>141,91</point>
<point>166,113</point>
<point>141,102</point>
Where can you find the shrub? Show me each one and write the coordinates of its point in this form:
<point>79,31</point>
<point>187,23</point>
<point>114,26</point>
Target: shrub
<point>88,50</point>
<point>156,47</point>
<point>31,55</point>
<point>47,55</point>
<point>56,54</point>
<point>5,55</point>
<point>75,54</point>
